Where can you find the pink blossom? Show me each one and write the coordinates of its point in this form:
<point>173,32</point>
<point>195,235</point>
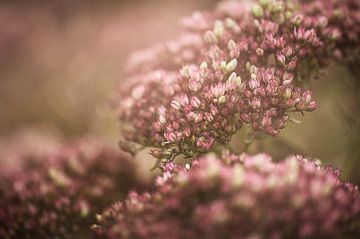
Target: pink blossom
<point>248,59</point>
<point>238,196</point>
<point>56,195</point>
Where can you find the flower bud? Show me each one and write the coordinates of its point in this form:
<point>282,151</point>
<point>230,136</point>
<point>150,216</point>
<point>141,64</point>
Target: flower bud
<point>287,78</point>
<point>176,105</point>
<point>253,69</point>
<point>203,65</point>
<point>287,93</point>
<point>259,51</point>
<point>221,100</point>
<point>195,102</point>
<point>231,24</point>
<point>257,11</point>
<point>297,20</point>
<point>156,153</point>
<point>231,45</point>
<point>218,29</point>
<point>281,58</point>
<point>185,71</point>
<point>231,66</point>
<point>210,37</point>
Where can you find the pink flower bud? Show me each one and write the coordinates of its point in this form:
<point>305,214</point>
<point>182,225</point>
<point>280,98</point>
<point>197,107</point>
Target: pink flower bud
<point>176,105</point>
<point>195,102</point>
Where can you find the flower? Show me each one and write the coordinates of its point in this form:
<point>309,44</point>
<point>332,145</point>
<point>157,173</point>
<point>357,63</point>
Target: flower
<point>55,195</point>
<point>247,65</point>
<point>238,197</point>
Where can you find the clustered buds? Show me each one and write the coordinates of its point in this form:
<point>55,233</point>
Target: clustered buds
<point>339,22</point>
<point>246,65</point>
<point>238,197</point>
<point>57,195</point>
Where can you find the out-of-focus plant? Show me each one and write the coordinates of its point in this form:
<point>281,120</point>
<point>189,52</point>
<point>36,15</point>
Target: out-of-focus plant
<point>238,197</point>
<point>56,195</point>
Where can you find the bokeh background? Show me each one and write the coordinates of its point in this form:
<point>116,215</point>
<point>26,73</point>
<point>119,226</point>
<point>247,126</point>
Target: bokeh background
<point>61,61</point>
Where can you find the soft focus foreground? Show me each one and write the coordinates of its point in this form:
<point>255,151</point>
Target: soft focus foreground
<point>239,197</point>
<point>58,193</point>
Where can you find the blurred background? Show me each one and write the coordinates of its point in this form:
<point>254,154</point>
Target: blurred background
<point>61,60</point>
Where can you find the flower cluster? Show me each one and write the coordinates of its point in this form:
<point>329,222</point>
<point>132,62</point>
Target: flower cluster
<point>57,195</point>
<point>238,197</point>
<point>243,63</point>
<point>341,21</point>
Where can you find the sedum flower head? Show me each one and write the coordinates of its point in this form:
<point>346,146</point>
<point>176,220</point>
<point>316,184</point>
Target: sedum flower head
<point>56,195</point>
<point>238,197</point>
<point>246,62</point>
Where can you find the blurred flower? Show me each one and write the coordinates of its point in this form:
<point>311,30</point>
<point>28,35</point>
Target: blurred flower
<point>56,195</point>
<point>240,64</point>
<point>238,197</point>
<point>339,24</point>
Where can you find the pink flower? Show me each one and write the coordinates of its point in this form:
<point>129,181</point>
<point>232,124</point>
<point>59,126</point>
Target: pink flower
<point>246,60</point>
<point>238,196</point>
<point>55,195</point>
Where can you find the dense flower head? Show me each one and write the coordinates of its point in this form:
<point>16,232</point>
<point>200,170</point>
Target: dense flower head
<point>341,21</point>
<point>244,63</point>
<point>238,197</point>
<point>57,194</point>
